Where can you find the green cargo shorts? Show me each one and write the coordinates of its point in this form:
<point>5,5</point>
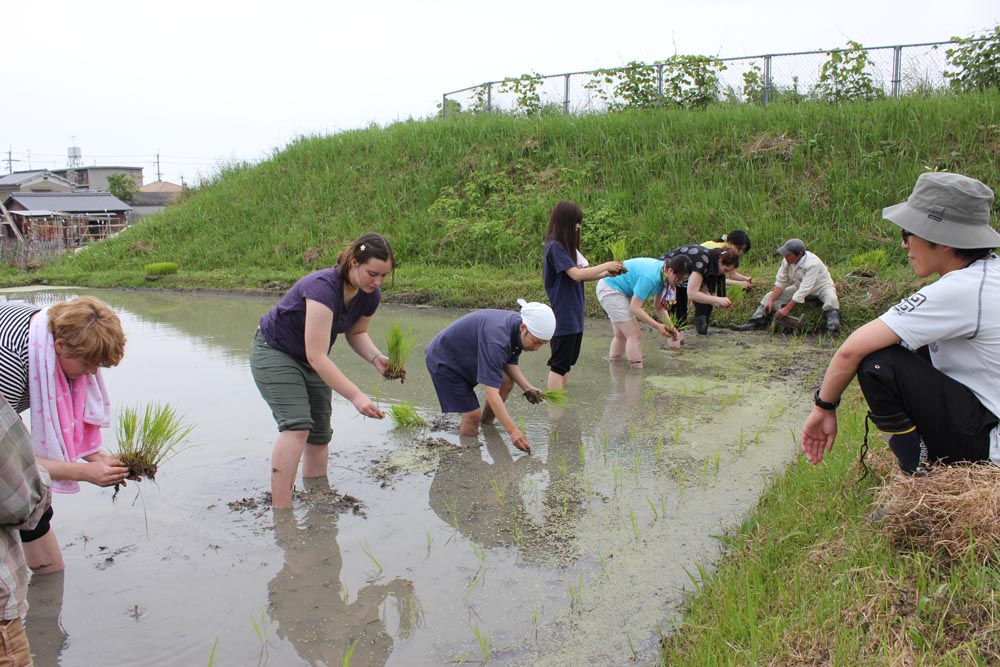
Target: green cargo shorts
<point>298,397</point>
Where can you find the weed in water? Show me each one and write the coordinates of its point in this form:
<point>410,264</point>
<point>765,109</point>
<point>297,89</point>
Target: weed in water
<point>405,415</point>
<point>656,515</point>
<point>400,344</point>
<point>635,523</point>
<point>146,441</point>
<point>716,459</point>
<point>583,454</point>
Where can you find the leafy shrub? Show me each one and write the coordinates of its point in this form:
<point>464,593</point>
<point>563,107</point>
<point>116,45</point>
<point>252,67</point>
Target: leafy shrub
<point>845,77</point>
<point>977,60</point>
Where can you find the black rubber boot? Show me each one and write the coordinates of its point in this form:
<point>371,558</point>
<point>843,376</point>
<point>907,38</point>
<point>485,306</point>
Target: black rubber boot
<point>752,324</point>
<point>701,324</point>
<point>833,321</point>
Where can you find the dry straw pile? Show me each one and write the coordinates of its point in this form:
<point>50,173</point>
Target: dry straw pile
<point>953,512</point>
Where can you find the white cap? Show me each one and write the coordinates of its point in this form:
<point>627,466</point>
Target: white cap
<point>539,319</point>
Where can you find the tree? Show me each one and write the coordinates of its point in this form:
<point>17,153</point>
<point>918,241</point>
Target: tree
<point>122,186</point>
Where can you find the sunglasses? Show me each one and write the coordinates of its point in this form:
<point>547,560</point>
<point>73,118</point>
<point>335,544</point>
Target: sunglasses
<point>906,235</point>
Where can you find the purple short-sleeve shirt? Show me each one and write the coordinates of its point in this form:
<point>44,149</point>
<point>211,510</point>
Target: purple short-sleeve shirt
<point>284,326</point>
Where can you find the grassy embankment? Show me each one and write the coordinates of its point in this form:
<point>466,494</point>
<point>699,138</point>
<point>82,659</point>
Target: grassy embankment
<point>465,203</point>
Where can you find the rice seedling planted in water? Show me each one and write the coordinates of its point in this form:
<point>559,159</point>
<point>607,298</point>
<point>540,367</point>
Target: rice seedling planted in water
<point>399,343</point>
<point>405,414</point>
<point>148,437</point>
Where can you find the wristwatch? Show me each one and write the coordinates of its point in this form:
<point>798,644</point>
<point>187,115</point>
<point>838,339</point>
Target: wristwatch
<point>820,403</point>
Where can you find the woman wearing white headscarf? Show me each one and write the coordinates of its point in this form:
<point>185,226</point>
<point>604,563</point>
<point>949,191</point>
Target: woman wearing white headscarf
<point>484,347</point>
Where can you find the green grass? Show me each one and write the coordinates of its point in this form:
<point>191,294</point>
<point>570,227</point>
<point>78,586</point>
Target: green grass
<point>805,575</point>
<point>466,199</point>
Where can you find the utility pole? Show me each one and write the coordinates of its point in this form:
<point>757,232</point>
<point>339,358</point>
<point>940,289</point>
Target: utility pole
<point>159,175</point>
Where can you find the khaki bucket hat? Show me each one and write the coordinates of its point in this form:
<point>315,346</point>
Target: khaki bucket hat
<point>949,209</point>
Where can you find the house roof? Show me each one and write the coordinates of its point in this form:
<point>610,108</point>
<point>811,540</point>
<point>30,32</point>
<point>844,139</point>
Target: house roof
<point>19,178</point>
<point>70,202</point>
<point>161,186</point>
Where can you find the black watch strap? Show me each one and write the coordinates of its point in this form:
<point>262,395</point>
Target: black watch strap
<point>820,403</point>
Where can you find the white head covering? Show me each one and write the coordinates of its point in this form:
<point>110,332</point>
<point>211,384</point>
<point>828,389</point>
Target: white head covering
<point>539,319</point>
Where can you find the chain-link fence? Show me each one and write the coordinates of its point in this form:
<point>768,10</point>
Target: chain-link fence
<point>872,72</point>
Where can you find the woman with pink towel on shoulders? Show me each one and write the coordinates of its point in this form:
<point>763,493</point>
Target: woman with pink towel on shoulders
<point>49,362</point>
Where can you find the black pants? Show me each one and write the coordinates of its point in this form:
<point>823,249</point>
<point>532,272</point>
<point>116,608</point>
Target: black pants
<point>716,285</point>
<point>904,390</point>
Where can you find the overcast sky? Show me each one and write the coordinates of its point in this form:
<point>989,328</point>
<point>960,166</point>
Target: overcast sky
<point>211,82</point>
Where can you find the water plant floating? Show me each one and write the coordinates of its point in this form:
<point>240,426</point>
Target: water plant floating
<point>400,343</point>
<point>147,438</point>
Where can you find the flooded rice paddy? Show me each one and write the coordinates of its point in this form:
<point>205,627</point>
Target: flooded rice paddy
<point>424,548</point>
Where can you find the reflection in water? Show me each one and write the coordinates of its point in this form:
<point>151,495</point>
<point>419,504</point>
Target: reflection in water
<point>44,622</point>
<point>306,598</point>
<point>526,503</point>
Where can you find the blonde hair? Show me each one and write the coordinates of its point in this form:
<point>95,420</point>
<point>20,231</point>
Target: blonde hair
<point>89,329</point>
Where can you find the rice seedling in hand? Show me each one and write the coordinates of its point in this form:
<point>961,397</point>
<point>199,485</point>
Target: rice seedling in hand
<point>619,251</point>
<point>555,396</point>
<point>400,343</point>
<point>405,414</point>
<point>147,438</point>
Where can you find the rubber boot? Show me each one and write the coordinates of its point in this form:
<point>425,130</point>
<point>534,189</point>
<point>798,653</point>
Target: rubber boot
<point>701,324</point>
<point>833,321</point>
<point>757,321</point>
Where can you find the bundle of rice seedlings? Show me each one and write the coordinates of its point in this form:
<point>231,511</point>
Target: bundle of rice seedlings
<point>148,438</point>
<point>406,415</point>
<point>555,396</point>
<point>951,512</point>
<point>619,251</point>
<point>399,343</point>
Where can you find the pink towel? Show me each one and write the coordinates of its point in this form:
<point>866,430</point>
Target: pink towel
<point>66,416</point>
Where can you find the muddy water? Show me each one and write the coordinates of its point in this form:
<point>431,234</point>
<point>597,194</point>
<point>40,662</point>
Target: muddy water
<point>454,548</point>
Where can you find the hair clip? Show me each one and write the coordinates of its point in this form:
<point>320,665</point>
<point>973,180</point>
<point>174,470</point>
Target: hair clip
<point>362,248</point>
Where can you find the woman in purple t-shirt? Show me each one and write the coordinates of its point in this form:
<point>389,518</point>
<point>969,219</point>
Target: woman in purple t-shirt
<point>290,359</point>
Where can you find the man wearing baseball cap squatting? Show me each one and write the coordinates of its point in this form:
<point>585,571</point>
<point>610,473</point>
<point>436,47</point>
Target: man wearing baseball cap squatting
<point>802,275</point>
<point>484,347</point>
<point>929,367</point>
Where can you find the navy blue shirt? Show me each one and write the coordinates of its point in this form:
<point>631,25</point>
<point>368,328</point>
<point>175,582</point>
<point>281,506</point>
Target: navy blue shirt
<point>565,294</point>
<point>477,346</point>
<point>284,326</point>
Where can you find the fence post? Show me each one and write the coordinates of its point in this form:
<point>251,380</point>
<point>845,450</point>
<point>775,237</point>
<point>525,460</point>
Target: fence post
<point>489,96</point>
<point>444,106</point>
<point>767,80</point>
<point>659,80</point>
<point>566,95</point>
<point>897,59</point>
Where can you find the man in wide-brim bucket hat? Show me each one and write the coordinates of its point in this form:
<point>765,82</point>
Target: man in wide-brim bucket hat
<point>929,367</point>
